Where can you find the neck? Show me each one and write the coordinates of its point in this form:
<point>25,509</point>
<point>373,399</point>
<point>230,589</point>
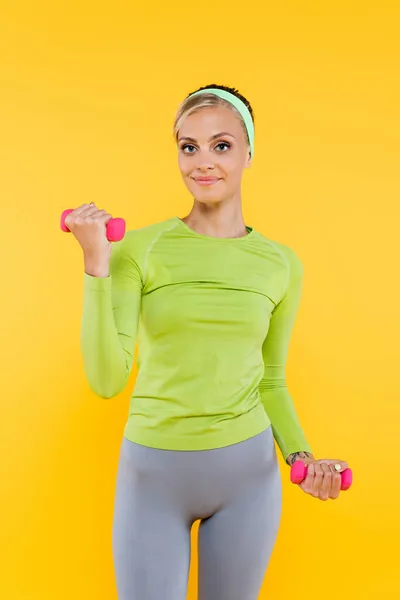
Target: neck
<point>224,220</point>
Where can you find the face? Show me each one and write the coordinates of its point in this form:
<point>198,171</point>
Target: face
<point>213,151</point>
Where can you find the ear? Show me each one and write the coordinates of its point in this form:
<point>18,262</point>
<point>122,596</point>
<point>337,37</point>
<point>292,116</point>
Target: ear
<point>248,161</point>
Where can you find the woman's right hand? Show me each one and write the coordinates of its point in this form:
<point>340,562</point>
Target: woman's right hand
<point>88,224</point>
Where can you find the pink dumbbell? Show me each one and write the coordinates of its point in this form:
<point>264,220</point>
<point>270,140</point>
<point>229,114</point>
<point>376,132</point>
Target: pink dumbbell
<point>298,473</point>
<point>115,228</point>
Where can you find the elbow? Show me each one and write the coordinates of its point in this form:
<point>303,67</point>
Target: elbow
<point>106,389</point>
<point>106,394</point>
<point>106,381</point>
<point>268,385</point>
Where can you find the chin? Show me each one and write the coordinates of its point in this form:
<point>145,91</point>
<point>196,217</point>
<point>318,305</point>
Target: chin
<point>208,200</point>
<point>207,196</point>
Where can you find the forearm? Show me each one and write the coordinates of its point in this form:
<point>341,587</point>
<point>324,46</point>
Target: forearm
<point>275,396</point>
<point>106,362</point>
<point>285,423</point>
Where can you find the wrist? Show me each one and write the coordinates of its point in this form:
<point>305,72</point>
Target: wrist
<point>97,268</point>
<point>301,455</point>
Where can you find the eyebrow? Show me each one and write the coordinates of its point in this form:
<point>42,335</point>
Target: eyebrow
<point>213,137</point>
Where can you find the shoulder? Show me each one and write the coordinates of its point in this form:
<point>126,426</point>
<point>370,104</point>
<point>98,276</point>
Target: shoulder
<point>287,254</point>
<point>129,254</point>
<point>137,242</point>
<point>148,234</point>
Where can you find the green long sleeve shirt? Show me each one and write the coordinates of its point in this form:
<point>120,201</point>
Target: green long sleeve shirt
<point>212,318</point>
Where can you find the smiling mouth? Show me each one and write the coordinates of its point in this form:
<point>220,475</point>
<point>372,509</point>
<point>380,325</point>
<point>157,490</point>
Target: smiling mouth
<point>206,180</point>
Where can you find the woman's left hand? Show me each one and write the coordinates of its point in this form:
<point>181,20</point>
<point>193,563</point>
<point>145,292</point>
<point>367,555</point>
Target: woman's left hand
<point>322,480</point>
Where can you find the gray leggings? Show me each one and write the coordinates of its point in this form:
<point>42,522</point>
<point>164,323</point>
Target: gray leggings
<point>234,491</point>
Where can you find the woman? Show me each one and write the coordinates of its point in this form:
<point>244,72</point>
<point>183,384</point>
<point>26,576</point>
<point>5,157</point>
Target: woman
<point>212,304</point>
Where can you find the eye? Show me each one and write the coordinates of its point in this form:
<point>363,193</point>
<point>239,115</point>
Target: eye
<point>188,147</point>
<point>223,146</point>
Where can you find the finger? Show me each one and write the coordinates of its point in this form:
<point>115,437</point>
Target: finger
<point>326,484</point>
<point>318,479</point>
<point>92,215</point>
<point>78,216</point>
<point>307,484</point>
<point>331,461</point>
<point>336,484</point>
<point>90,210</point>
<point>81,209</point>
<point>340,465</point>
<point>101,215</point>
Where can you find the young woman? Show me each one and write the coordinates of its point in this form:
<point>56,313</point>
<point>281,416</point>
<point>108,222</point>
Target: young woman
<point>212,304</point>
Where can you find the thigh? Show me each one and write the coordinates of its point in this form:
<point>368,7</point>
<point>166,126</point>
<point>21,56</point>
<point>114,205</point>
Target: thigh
<point>151,539</point>
<point>236,543</point>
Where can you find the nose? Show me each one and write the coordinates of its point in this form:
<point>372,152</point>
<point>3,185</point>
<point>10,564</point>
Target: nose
<point>205,168</point>
<point>205,161</point>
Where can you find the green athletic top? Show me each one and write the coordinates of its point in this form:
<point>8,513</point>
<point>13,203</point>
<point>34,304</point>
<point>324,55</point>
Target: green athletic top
<point>200,308</point>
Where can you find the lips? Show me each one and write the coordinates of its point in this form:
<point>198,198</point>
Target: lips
<point>206,180</point>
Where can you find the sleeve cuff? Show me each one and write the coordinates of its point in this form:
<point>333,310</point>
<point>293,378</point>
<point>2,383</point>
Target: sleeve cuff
<point>292,448</point>
<point>97,283</point>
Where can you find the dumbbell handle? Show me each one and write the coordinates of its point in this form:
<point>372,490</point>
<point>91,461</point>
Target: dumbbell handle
<point>298,473</point>
<point>115,228</point>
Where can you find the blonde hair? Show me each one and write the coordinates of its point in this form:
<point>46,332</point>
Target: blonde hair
<point>193,104</point>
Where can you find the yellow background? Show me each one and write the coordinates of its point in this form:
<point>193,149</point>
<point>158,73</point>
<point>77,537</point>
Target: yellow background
<point>87,99</point>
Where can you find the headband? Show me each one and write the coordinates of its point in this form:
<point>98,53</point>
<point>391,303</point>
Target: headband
<point>239,105</point>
